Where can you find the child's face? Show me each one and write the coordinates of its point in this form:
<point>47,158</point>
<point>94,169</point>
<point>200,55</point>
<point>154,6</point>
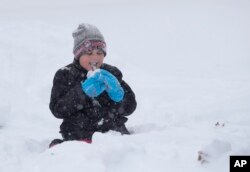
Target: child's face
<point>95,56</point>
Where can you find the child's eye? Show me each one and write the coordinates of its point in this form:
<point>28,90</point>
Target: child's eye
<point>89,53</point>
<point>100,52</point>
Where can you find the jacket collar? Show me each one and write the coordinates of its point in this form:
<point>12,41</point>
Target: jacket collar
<point>78,66</point>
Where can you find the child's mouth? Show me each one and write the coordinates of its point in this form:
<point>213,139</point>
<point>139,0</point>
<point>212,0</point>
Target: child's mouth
<point>93,65</point>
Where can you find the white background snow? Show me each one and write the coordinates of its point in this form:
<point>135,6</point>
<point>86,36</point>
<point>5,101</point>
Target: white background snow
<point>187,61</point>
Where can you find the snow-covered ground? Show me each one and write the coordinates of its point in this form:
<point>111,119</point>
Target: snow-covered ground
<point>187,61</point>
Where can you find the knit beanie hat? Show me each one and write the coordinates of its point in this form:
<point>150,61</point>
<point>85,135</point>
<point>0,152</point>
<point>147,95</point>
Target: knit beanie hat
<point>86,38</point>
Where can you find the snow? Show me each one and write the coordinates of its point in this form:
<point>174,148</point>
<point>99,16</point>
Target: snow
<point>92,73</point>
<point>187,61</point>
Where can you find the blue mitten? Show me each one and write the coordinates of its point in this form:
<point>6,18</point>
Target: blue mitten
<point>113,87</point>
<point>93,86</point>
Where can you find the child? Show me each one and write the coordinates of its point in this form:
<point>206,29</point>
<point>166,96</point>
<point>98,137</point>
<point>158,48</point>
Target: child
<point>89,95</point>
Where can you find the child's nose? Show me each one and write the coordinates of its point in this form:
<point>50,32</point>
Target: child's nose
<point>95,56</point>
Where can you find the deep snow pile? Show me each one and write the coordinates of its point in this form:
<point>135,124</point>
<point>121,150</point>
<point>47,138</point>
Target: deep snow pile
<point>188,64</point>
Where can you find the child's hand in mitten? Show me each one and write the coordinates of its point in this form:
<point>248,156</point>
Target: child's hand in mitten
<point>113,87</point>
<point>94,85</point>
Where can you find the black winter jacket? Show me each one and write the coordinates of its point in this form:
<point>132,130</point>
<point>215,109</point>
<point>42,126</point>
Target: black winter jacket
<point>82,115</point>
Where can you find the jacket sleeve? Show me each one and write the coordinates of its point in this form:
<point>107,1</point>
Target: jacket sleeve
<point>128,105</point>
<point>66,99</point>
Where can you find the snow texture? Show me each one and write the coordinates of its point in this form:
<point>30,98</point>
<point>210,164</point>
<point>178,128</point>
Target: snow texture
<point>187,61</point>
<point>92,73</point>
